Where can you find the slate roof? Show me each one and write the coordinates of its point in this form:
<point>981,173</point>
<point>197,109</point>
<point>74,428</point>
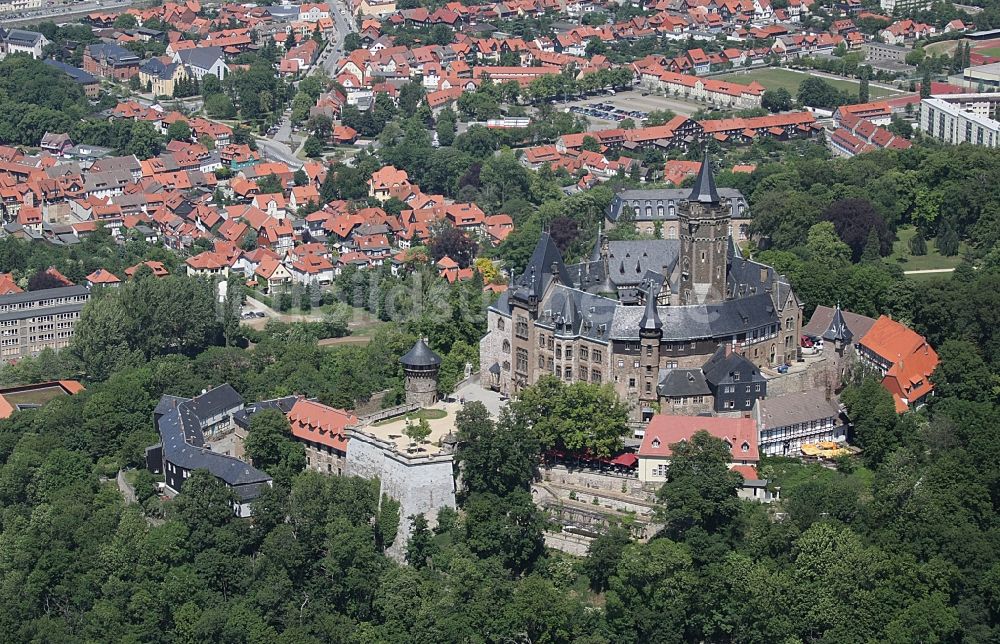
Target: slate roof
<point>112,53</point>
<point>420,355</point>
<point>822,317</point>
<point>159,69</point>
<point>23,38</point>
<point>676,383</point>
<point>666,197</point>
<point>47,294</point>
<point>720,367</point>
<point>838,331</point>
<point>538,273</point>
<point>794,408</point>
<point>78,75</point>
<point>200,57</point>
<point>179,424</point>
<point>704,190</point>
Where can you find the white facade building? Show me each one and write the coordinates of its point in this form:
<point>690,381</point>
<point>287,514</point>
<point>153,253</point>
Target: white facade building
<point>962,118</point>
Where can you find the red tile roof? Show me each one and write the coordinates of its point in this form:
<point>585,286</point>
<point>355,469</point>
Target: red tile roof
<point>664,430</point>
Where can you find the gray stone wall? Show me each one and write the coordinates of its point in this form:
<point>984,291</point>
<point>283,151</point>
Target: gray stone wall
<point>818,374</point>
<point>420,485</point>
<point>490,351</point>
<point>421,388</point>
<point>325,462</point>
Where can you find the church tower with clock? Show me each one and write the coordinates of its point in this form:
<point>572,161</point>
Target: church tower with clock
<point>704,222</point>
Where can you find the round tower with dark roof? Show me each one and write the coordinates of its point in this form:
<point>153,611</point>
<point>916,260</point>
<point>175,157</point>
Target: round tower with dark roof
<point>420,366</point>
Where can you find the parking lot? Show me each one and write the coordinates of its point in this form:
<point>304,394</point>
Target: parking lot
<point>607,111</point>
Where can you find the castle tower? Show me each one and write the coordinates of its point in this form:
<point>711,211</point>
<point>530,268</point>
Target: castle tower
<point>420,366</point>
<point>838,332</point>
<point>704,231</point>
<point>650,334</point>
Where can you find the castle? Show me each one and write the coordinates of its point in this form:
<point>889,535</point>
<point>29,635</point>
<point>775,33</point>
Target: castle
<point>635,311</point>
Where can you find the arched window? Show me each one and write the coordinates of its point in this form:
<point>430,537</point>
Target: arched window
<point>506,346</point>
<point>500,324</point>
<point>649,212</point>
<point>659,211</point>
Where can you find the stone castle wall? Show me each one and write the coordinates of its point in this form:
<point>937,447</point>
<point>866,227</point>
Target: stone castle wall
<point>420,485</point>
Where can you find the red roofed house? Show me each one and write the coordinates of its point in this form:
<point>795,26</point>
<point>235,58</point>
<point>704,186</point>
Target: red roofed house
<point>159,270</point>
<point>321,430</point>
<point>8,286</point>
<point>904,359</point>
<point>663,430</point>
<point>207,263</point>
<point>101,277</point>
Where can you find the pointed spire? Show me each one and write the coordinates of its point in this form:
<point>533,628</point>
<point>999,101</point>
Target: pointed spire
<point>650,320</point>
<point>569,314</point>
<point>704,190</point>
<point>838,330</point>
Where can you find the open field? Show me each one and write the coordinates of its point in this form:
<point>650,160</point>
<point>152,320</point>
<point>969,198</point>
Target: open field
<point>932,260</point>
<point>989,51</point>
<point>773,78</point>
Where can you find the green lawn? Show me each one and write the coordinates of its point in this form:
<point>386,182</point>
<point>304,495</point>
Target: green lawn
<point>773,78</point>
<point>790,473</point>
<point>989,51</point>
<point>932,260</point>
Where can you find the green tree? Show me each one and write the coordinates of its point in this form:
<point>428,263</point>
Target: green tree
<point>270,184</point>
<point>496,458</point>
<point>219,106</point>
<point>576,417</point>
<point>776,100</point>
<point>421,546</point>
<point>419,431</point>
<point>179,131</point>
<point>947,239</point>
<point>313,147</point>
<point>603,556</point>
<point>446,127</point>
<point>590,144</point>
<point>270,446</point>
<point>873,414</point>
<point>823,244</point>
<point>508,527</point>
<point>126,21</point>
<point>700,490</point>
<point>872,249</point>
<point>918,245</point>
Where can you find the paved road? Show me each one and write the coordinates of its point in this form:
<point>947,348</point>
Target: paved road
<point>343,24</point>
<point>60,13</point>
<point>929,271</point>
<point>278,151</point>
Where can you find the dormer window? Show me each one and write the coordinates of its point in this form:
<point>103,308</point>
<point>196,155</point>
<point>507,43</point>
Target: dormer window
<point>655,443</point>
<point>745,447</point>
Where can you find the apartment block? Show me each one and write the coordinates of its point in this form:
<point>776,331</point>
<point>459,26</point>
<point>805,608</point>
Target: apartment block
<point>36,320</point>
